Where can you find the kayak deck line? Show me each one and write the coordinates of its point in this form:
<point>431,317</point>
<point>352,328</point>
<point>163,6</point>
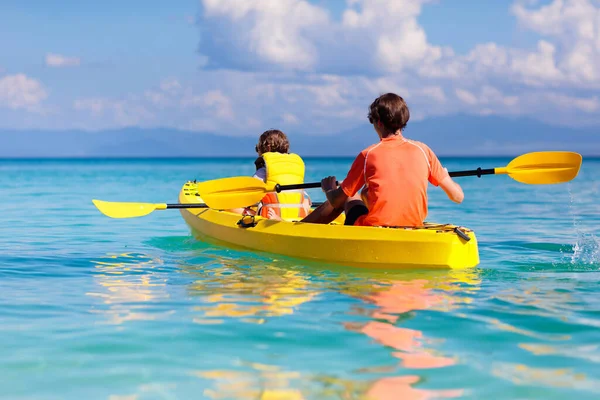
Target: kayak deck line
<point>439,228</point>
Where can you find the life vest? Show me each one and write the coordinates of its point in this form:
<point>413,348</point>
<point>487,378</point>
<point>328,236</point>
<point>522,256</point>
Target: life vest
<point>284,169</point>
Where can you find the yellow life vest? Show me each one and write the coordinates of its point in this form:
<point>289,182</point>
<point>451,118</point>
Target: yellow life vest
<point>284,169</point>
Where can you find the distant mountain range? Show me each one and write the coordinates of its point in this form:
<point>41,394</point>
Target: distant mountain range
<point>458,135</point>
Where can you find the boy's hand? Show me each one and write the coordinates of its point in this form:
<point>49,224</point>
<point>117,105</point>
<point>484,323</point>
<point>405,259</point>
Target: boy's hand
<point>329,183</point>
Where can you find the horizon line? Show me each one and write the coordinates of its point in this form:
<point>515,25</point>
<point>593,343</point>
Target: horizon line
<point>66,158</point>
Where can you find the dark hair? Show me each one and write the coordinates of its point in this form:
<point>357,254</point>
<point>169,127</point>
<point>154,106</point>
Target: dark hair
<point>391,110</point>
<point>273,140</point>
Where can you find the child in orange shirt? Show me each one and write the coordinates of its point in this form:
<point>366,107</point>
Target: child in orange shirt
<point>393,173</point>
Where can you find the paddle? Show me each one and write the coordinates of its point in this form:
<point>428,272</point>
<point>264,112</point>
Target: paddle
<point>533,168</point>
<point>537,168</point>
<point>132,210</point>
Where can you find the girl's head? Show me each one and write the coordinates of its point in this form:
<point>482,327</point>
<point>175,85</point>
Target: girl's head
<point>274,141</point>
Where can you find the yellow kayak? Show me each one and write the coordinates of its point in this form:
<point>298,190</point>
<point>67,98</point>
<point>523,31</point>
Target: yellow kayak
<point>430,246</point>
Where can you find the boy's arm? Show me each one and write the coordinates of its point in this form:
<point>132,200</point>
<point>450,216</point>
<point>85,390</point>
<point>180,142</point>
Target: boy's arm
<point>351,184</point>
<point>335,195</point>
<point>452,189</point>
<point>439,176</point>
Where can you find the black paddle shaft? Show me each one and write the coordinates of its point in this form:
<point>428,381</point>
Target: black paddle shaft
<point>195,205</point>
<point>279,188</point>
<point>474,172</point>
<point>203,205</point>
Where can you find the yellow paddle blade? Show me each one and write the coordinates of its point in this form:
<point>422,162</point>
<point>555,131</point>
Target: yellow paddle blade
<point>234,192</point>
<point>543,167</point>
<point>127,210</point>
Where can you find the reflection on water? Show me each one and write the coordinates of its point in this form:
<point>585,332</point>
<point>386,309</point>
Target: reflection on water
<point>396,298</point>
<point>387,309</point>
<point>589,353</point>
<point>127,283</point>
<point>250,293</point>
<point>555,317</point>
<point>265,382</point>
<point>538,299</point>
<point>401,387</point>
<point>520,374</point>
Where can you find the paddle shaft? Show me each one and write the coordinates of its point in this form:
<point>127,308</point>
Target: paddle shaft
<point>475,172</point>
<point>202,205</point>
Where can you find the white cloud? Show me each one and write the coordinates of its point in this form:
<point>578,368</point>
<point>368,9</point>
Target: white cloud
<point>167,104</point>
<point>290,118</point>
<point>435,93</point>
<point>57,60</point>
<point>253,123</point>
<point>190,100</point>
<point>373,35</point>
<point>130,112</point>
<point>379,37</point>
<point>328,95</point>
<point>166,93</point>
<point>380,85</point>
<point>277,27</point>
<point>392,24</point>
<point>219,103</point>
<point>95,106</point>
<point>466,97</point>
<point>531,68</point>
<point>491,95</point>
<point>170,85</point>
<point>292,62</point>
<point>246,103</point>
<point>488,56</point>
<point>567,55</point>
<point>487,96</point>
<point>21,92</point>
<point>575,25</point>
<point>157,98</point>
<point>588,104</point>
<point>215,101</point>
<point>538,67</point>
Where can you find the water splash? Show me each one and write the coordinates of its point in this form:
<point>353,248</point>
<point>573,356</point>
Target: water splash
<point>586,250</point>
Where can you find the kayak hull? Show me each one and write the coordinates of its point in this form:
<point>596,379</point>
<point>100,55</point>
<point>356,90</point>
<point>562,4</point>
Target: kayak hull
<point>433,246</point>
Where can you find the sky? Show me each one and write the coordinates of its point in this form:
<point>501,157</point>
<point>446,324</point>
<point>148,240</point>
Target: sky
<point>237,67</point>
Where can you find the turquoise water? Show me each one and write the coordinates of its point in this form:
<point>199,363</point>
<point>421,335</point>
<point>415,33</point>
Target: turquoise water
<point>98,308</point>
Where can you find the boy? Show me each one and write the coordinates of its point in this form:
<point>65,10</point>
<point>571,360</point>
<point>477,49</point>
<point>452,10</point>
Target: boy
<point>394,173</point>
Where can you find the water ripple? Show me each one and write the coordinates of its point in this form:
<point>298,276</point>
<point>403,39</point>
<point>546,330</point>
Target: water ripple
<point>93,307</point>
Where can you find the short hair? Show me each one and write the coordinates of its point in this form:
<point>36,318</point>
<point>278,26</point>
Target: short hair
<point>391,110</point>
<point>273,140</point>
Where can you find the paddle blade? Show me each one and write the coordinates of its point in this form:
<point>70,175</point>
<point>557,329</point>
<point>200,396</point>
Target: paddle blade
<point>234,192</point>
<point>544,167</point>
<point>126,210</point>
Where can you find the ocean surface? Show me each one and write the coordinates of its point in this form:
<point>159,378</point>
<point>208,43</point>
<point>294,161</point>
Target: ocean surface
<point>98,308</point>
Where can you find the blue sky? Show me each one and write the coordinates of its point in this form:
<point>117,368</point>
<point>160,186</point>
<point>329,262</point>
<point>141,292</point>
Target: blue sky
<point>239,67</point>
